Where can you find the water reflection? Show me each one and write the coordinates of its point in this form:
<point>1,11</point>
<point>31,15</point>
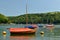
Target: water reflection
<point>22,37</point>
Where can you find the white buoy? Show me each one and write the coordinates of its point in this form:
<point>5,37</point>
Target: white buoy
<point>42,33</point>
<point>4,32</point>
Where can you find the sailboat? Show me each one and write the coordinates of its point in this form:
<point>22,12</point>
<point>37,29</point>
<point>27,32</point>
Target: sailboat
<point>49,26</point>
<point>26,30</point>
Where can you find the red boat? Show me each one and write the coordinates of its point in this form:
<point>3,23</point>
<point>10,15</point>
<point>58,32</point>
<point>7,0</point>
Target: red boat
<point>22,31</point>
<point>27,30</point>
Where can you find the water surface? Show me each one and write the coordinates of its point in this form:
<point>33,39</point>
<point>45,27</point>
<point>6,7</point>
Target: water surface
<point>48,35</point>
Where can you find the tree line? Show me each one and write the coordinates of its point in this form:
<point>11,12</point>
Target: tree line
<point>49,17</point>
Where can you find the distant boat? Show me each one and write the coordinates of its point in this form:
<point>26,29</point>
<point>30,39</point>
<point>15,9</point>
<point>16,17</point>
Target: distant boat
<point>49,26</point>
<point>40,25</point>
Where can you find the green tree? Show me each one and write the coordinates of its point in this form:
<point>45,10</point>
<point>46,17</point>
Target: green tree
<point>3,19</point>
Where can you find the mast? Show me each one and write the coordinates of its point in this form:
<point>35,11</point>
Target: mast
<point>31,20</point>
<point>26,14</point>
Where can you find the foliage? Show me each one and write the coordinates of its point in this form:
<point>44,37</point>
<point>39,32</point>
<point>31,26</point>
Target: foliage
<point>49,17</point>
<point>3,19</point>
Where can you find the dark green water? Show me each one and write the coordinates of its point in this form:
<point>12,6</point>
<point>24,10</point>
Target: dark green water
<point>48,35</point>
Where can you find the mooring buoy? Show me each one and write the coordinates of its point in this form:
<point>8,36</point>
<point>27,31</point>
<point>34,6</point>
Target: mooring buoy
<point>4,32</point>
<point>42,33</point>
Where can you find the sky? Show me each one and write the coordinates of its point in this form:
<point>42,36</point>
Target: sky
<point>18,7</point>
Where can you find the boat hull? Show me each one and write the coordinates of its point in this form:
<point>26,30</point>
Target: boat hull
<point>22,31</point>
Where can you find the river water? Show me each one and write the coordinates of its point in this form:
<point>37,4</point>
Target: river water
<point>48,35</point>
